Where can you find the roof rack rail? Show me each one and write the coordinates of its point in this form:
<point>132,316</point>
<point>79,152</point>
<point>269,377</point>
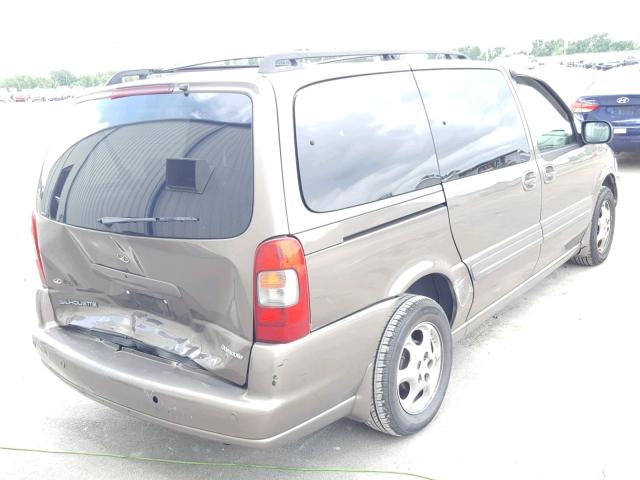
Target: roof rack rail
<point>140,73</point>
<point>281,61</point>
<point>252,62</point>
<point>143,73</point>
<point>292,60</point>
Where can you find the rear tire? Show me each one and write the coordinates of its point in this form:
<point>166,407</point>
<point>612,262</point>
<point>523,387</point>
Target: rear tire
<point>601,229</point>
<point>412,367</point>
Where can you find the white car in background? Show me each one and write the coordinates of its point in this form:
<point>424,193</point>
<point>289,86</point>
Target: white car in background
<point>38,95</point>
<point>55,94</point>
<point>5,96</point>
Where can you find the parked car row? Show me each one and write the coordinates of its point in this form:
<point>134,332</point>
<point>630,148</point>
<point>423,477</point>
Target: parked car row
<point>36,95</point>
<point>603,65</point>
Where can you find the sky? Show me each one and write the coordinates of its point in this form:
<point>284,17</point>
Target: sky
<point>87,37</point>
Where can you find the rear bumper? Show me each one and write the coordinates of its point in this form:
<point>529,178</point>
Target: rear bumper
<point>293,389</point>
<point>625,143</point>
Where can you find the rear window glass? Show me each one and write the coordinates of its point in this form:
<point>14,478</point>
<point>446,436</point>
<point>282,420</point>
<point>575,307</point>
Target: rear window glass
<point>164,165</point>
<point>362,139</point>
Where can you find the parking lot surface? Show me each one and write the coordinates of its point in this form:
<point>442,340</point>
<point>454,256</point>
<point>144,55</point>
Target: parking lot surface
<point>546,389</point>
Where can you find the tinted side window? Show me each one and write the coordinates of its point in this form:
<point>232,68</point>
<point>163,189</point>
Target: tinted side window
<point>548,122</point>
<point>474,119</point>
<point>362,139</point>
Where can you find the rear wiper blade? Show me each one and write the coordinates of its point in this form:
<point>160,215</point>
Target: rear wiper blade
<point>111,220</point>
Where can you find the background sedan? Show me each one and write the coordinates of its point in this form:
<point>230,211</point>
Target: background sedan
<point>21,97</point>
<point>615,99</point>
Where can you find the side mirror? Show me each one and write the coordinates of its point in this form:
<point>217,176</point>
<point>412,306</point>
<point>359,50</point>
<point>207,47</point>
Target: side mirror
<point>596,132</point>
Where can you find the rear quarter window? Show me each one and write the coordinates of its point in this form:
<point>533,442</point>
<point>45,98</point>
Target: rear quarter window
<point>155,156</point>
<point>362,139</point>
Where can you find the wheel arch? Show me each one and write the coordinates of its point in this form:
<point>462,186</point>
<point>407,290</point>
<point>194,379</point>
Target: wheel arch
<point>607,175</point>
<point>610,181</point>
<point>450,285</point>
<point>440,289</point>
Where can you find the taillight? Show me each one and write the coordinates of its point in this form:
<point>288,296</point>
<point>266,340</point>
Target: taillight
<point>34,233</point>
<point>281,297</point>
<point>584,106</point>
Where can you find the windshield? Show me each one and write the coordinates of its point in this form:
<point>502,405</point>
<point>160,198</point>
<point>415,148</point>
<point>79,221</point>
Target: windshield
<point>154,156</point>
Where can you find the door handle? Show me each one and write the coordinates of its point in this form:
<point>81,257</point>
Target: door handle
<point>549,173</point>
<point>529,180</point>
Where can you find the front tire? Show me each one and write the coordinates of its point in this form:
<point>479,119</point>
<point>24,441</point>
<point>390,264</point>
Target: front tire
<point>601,230</point>
<point>412,367</point>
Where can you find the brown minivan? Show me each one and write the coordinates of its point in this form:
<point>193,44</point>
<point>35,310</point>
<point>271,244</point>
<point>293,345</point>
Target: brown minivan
<point>248,250</point>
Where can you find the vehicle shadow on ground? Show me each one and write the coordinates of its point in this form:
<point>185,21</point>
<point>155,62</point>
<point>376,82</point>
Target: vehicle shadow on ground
<point>341,444</point>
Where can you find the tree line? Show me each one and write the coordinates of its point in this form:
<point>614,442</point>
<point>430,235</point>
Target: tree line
<point>600,42</point>
<point>57,78</point>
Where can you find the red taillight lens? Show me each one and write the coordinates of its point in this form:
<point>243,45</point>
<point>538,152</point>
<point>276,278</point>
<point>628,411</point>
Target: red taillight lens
<point>584,106</point>
<point>281,291</point>
<point>34,233</point>
<point>141,90</point>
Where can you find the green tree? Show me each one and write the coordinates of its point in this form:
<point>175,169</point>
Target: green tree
<point>63,78</point>
<point>546,48</point>
<point>558,46</point>
<point>623,45</point>
<point>539,48</point>
<point>599,42</point>
<point>20,82</point>
<point>93,80</point>
<point>494,53</point>
<point>474,53</point>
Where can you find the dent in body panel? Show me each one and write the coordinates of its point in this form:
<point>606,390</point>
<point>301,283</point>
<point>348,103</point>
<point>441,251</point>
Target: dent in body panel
<point>165,325</point>
<point>44,309</point>
<point>189,301</point>
<point>318,378</point>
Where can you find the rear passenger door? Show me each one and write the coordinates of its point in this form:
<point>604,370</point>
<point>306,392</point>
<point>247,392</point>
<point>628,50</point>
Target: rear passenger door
<point>490,180</point>
<point>373,213</point>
